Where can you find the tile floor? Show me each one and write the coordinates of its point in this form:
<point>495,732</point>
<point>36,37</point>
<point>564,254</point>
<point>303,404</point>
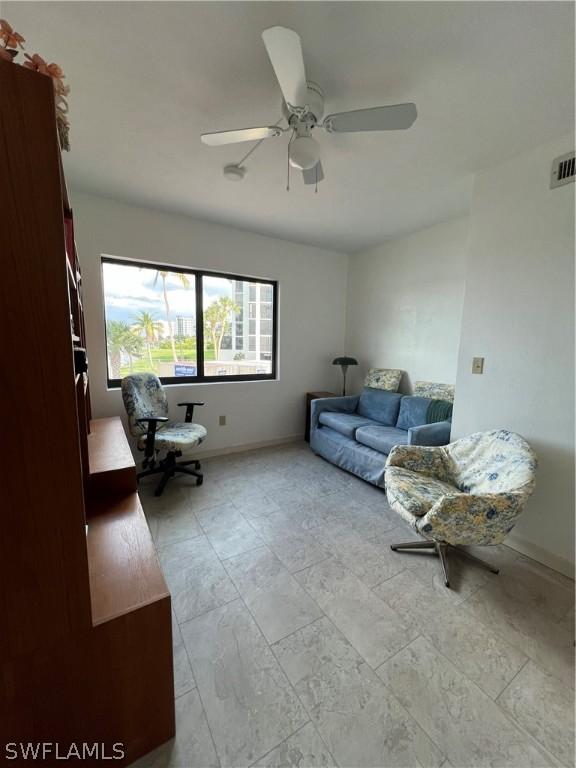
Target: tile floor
<point>301,639</point>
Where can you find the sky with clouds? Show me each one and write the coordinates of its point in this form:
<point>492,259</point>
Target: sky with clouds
<point>129,290</point>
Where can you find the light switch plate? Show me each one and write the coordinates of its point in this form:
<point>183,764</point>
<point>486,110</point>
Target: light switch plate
<point>477,365</point>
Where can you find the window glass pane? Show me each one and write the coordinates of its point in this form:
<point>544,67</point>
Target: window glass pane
<point>150,320</point>
<point>151,323</point>
<point>266,293</point>
<point>231,345</point>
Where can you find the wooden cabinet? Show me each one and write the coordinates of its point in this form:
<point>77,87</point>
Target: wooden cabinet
<point>85,617</point>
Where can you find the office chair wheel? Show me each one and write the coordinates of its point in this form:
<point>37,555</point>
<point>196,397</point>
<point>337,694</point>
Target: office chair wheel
<point>197,465</point>
<point>199,480</point>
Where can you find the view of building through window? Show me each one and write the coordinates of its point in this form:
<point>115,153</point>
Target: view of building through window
<point>238,321</point>
<point>151,323</point>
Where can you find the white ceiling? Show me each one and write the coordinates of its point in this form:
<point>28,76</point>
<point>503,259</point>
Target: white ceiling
<point>490,79</point>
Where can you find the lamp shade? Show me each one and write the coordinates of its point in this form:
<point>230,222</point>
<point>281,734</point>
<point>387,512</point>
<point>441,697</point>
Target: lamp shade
<point>344,361</point>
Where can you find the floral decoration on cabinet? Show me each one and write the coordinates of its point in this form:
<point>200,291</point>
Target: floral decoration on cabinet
<point>10,43</point>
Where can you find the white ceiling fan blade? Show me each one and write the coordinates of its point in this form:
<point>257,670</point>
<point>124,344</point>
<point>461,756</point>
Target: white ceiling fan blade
<point>244,134</point>
<point>285,51</point>
<point>393,118</point>
<point>314,175</point>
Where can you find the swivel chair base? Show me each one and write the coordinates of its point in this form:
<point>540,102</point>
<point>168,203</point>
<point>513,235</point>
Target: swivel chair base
<point>441,549</point>
<point>168,468</point>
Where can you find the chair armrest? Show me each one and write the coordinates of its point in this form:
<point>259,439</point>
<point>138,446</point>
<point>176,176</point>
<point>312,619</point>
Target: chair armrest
<point>346,404</point>
<point>430,434</point>
<point>151,419</point>
<point>467,518</point>
<point>426,460</point>
<point>189,410</point>
<point>152,422</point>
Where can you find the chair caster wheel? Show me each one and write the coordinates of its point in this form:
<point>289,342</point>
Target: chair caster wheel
<point>197,465</point>
<point>199,480</point>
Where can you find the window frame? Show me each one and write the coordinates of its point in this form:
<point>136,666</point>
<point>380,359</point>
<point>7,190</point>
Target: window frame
<point>198,275</point>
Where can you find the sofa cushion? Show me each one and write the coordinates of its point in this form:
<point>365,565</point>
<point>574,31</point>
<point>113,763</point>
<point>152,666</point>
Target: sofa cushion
<point>348,454</point>
<point>382,439</point>
<point>345,423</point>
<point>412,412</point>
<point>379,405</point>
<point>413,493</point>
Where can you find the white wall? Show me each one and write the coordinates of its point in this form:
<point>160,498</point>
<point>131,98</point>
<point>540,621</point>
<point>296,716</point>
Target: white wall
<point>405,305</point>
<point>312,289</point>
<point>519,315</point>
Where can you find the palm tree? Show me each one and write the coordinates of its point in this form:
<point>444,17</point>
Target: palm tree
<point>132,347</point>
<point>120,338</point>
<point>183,279</point>
<point>149,327</point>
<point>218,321</point>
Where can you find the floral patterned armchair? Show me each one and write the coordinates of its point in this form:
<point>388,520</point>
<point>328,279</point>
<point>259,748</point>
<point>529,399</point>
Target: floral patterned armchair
<point>469,492</point>
<point>161,440</point>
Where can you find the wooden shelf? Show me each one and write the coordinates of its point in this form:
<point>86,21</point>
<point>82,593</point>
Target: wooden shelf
<point>110,461</point>
<point>85,620</point>
<point>123,567</point>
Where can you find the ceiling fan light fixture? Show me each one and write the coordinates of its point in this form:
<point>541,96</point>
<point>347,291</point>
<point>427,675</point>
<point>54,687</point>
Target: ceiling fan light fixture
<point>304,153</point>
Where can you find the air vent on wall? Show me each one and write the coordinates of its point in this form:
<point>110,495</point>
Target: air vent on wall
<point>563,170</point>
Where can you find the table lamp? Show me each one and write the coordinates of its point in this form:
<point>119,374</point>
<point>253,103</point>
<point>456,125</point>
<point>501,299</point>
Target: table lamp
<point>344,362</point>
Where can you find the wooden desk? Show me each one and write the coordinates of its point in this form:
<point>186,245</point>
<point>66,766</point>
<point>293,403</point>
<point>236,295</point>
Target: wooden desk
<point>309,397</point>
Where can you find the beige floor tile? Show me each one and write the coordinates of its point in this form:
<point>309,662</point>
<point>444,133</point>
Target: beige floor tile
<point>374,629</point>
<point>545,708</point>
<point>250,706</point>
<point>272,595</point>
<point>359,719</point>
<point>467,725</point>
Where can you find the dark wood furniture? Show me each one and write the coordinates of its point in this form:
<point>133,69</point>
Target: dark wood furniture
<point>85,616</point>
<point>309,397</point>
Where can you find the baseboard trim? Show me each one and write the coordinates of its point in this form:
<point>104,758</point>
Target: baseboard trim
<point>560,564</point>
<point>248,447</point>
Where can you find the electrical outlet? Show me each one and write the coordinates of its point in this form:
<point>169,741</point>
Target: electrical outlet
<point>477,365</point>
<point>222,421</point>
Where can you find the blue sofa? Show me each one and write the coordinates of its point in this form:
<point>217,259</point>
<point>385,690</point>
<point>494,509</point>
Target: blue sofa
<point>358,432</point>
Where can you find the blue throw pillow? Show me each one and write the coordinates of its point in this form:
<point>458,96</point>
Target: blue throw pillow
<point>380,405</point>
<point>413,412</point>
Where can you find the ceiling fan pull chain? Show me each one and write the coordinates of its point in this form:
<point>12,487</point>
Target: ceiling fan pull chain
<point>316,187</point>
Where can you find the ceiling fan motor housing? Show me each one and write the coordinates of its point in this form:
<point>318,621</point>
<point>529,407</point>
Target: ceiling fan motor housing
<point>314,104</point>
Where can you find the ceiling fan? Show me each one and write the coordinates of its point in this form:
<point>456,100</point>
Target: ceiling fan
<point>303,108</point>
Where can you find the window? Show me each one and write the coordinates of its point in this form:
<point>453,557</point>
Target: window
<point>187,325</point>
